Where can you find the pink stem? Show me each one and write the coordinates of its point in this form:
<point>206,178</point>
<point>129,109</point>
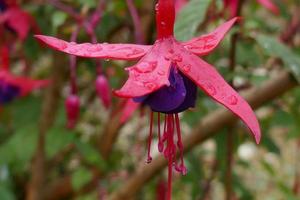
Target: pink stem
<point>66,9</point>
<point>180,145</point>
<point>73,63</point>
<point>160,142</point>
<point>139,36</point>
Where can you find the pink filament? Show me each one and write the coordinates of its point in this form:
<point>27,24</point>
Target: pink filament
<point>149,158</point>
<point>170,149</point>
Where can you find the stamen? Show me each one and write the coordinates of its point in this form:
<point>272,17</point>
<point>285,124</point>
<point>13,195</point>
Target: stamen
<point>160,142</point>
<point>182,169</point>
<point>169,155</point>
<point>149,158</point>
<point>165,130</point>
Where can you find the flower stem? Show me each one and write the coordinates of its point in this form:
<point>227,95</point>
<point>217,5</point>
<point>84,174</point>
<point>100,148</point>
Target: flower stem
<point>149,158</point>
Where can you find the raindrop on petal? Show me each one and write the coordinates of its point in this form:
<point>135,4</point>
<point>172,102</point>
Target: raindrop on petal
<point>233,100</point>
<point>187,68</point>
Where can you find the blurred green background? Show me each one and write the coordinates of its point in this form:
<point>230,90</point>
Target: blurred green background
<point>40,156</point>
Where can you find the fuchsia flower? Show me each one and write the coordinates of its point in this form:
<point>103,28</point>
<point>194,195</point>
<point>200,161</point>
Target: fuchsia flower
<point>166,78</point>
<point>16,19</point>
<point>232,5</point>
<point>11,86</point>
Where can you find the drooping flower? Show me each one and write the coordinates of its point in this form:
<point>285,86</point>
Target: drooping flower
<point>16,19</point>
<point>232,5</point>
<point>12,87</point>
<point>166,79</point>
<point>103,90</point>
<point>72,105</point>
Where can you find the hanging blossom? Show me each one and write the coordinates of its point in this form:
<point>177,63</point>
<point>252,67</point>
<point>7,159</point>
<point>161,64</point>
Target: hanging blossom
<point>166,78</point>
<point>16,19</point>
<point>232,5</point>
<point>12,87</point>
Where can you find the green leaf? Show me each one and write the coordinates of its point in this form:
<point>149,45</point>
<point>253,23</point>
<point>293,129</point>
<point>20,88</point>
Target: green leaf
<point>275,48</point>
<point>189,18</point>
<point>81,177</point>
<point>6,193</point>
<point>91,155</point>
<point>18,150</point>
<point>57,139</point>
<point>58,18</point>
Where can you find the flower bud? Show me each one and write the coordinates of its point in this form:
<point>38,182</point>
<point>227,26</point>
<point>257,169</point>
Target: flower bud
<point>72,105</point>
<point>103,90</point>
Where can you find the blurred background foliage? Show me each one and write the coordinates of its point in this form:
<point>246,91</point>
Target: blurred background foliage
<point>267,171</point>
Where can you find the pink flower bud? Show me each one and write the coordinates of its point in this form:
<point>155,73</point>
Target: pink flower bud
<point>72,105</point>
<point>103,90</point>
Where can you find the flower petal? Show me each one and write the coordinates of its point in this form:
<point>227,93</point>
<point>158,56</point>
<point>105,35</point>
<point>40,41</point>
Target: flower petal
<point>25,84</point>
<point>204,44</point>
<point>209,80</point>
<point>105,51</point>
<point>129,108</point>
<point>149,74</point>
<point>18,20</point>
<point>168,98</point>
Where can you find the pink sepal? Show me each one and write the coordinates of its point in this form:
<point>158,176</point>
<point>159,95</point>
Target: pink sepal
<point>213,84</point>
<point>104,51</point>
<point>206,43</point>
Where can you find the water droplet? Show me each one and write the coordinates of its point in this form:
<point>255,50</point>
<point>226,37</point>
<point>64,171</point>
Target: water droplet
<point>163,23</point>
<point>210,89</point>
<point>146,67</point>
<point>63,45</point>
<point>161,72</point>
<point>107,60</point>
<point>156,7</point>
<point>168,57</point>
<point>72,43</point>
<point>186,68</point>
<point>171,51</point>
<point>233,100</point>
<point>135,52</point>
<point>177,58</point>
<point>150,86</point>
<point>73,51</point>
<point>94,48</point>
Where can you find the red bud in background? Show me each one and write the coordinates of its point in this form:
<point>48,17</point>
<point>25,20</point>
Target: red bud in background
<point>72,105</point>
<point>103,90</point>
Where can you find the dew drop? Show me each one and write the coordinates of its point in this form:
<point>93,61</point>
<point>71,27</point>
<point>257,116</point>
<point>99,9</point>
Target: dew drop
<point>233,100</point>
<point>73,51</point>
<point>171,51</point>
<point>156,7</point>
<point>63,45</point>
<point>135,52</point>
<point>146,67</point>
<point>210,89</point>
<point>94,48</point>
<point>161,72</point>
<point>177,58</point>
<point>186,68</point>
<point>150,86</point>
<point>163,23</point>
